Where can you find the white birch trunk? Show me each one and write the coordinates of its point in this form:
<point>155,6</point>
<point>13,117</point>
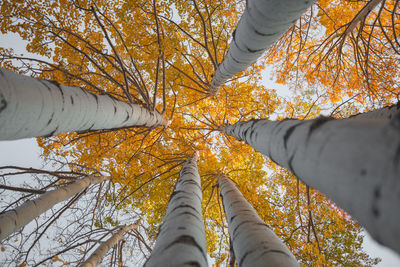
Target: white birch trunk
<point>181,239</point>
<point>99,253</point>
<point>32,107</point>
<point>15,219</point>
<point>262,23</point>
<point>254,242</point>
<point>356,163</point>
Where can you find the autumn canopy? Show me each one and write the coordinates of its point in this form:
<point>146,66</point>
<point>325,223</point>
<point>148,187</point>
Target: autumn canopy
<point>339,59</point>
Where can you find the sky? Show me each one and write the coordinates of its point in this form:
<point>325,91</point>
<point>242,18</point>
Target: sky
<point>26,153</point>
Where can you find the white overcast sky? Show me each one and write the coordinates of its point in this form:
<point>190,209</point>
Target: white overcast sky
<point>26,153</point>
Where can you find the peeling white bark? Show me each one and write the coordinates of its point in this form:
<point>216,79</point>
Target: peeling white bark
<point>99,253</point>
<point>356,163</point>
<point>15,219</point>
<point>32,107</point>
<point>254,242</point>
<point>262,23</point>
<point>181,239</point>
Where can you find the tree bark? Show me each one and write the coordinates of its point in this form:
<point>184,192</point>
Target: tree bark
<point>99,253</point>
<point>262,23</point>
<point>181,239</point>
<point>32,107</point>
<point>356,163</point>
<point>385,113</point>
<point>13,220</point>
<point>254,243</point>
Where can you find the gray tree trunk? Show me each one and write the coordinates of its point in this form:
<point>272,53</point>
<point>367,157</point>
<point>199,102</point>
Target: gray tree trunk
<point>356,163</point>
<point>32,107</point>
<point>15,219</point>
<point>385,113</point>
<point>262,23</point>
<point>181,239</point>
<point>99,253</point>
<point>254,242</point>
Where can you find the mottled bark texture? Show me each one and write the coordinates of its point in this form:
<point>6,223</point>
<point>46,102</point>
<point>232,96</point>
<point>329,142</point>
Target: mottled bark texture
<point>99,253</point>
<point>262,23</point>
<point>32,107</point>
<point>356,163</point>
<point>181,239</point>
<point>13,220</point>
<point>254,242</point>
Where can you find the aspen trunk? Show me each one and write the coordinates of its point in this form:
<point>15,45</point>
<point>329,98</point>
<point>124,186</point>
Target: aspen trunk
<point>262,23</point>
<point>32,107</point>
<point>99,253</point>
<point>13,220</point>
<point>254,243</point>
<point>356,163</point>
<point>181,239</point>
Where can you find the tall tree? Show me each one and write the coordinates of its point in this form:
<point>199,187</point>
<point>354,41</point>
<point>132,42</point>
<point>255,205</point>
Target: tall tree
<point>262,23</point>
<point>99,253</point>
<point>33,107</point>
<point>70,230</point>
<point>254,243</point>
<point>13,220</point>
<point>341,158</point>
<point>181,239</point>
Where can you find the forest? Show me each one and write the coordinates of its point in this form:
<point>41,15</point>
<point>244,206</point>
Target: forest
<point>165,145</point>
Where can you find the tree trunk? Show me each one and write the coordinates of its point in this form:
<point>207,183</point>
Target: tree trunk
<point>356,163</point>
<point>13,220</point>
<point>181,239</point>
<point>32,107</point>
<point>99,253</point>
<point>385,113</point>
<point>254,243</point>
<point>262,23</point>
